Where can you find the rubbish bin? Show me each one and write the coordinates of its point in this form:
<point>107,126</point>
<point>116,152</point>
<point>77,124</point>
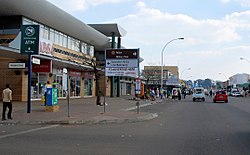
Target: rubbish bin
<point>52,100</point>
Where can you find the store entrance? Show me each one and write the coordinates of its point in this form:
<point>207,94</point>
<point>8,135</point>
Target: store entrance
<point>38,81</point>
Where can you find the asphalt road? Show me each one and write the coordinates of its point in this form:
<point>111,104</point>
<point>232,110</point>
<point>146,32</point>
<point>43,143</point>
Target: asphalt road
<point>182,128</point>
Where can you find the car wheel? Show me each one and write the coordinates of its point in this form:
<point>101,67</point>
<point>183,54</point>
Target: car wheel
<point>226,101</point>
<point>194,99</point>
<point>203,99</point>
<point>214,101</point>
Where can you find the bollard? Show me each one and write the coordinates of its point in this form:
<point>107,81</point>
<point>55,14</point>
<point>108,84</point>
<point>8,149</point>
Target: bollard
<point>138,107</point>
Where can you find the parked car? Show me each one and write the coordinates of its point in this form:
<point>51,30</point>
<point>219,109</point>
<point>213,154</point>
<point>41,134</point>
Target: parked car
<point>236,94</point>
<point>221,96</point>
<point>199,94</point>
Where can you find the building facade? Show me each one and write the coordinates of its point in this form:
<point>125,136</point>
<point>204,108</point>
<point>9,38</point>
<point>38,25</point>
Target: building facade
<point>65,43</point>
<point>239,79</point>
<point>152,75</point>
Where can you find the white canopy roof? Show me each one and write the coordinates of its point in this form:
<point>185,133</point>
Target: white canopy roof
<point>52,16</point>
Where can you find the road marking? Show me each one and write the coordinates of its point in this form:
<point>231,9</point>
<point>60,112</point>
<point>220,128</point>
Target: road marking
<point>28,131</point>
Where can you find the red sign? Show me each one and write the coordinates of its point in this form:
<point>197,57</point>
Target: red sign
<point>44,67</point>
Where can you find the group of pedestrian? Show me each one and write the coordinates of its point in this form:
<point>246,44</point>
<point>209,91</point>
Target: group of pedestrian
<point>152,94</point>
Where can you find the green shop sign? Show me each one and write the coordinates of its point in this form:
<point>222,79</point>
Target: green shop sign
<point>30,39</point>
<point>54,97</point>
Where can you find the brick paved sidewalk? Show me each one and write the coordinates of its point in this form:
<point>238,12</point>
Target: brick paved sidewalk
<point>80,111</point>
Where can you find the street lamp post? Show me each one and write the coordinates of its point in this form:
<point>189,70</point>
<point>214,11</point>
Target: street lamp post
<point>241,58</point>
<point>223,75</point>
<point>226,79</point>
<point>162,57</point>
<point>183,71</point>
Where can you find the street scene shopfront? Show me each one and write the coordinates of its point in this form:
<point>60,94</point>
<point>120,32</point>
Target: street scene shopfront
<point>52,62</point>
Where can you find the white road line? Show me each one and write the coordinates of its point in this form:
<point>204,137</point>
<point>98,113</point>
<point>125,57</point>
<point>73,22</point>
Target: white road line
<point>28,131</point>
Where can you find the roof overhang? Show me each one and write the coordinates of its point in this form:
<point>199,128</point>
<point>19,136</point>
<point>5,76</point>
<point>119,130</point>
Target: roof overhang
<point>108,29</point>
<point>52,16</point>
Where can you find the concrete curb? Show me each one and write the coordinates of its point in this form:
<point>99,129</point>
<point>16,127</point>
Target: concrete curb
<point>93,121</point>
<point>100,119</point>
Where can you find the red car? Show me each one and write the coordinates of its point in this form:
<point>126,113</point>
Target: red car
<point>221,96</point>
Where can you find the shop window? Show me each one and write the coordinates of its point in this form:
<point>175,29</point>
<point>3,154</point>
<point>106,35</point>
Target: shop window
<point>88,87</point>
<point>75,86</point>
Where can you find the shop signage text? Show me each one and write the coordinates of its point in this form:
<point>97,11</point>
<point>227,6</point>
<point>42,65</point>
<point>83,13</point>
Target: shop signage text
<point>132,72</point>
<point>44,67</point>
<point>118,63</point>
<point>122,54</point>
<point>16,65</point>
<point>30,39</point>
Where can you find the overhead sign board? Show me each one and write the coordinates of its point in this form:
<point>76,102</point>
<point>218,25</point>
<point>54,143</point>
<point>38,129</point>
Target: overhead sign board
<point>122,62</point>
<point>16,65</point>
<point>30,39</point>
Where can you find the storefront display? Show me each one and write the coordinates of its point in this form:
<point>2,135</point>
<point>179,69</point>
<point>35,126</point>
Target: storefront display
<point>75,83</point>
<point>38,81</point>
<point>88,87</point>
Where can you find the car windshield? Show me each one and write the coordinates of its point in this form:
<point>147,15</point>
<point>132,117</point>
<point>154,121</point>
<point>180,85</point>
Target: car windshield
<point>220,92</point>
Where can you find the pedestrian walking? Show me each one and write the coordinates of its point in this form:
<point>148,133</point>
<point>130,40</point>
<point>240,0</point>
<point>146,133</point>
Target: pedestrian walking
<point>179,95</point>
<point>7,102</point>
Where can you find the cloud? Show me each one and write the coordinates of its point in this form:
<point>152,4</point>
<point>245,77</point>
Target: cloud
<point>225,1</point>
<point>243,3</point>
<point>70,6</point>
<point>98,2</point>
<point>207,44</point>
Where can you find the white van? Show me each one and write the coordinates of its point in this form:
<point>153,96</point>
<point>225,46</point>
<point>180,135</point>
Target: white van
<point>199,94</point>
<point>175,94</point>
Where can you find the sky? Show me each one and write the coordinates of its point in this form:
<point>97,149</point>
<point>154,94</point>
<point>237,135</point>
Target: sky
<point>216,32</point>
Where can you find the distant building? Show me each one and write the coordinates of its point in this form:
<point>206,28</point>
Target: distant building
<point>153,74</point>
<point>239,79</point>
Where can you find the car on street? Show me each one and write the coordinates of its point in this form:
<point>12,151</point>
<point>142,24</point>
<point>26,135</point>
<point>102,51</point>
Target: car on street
<point>221,96</point>
<point>176,93</point>
<point>236,94</point>
<point>199,94</point>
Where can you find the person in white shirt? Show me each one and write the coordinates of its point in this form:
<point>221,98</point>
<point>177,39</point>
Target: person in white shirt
<point>7,101</point>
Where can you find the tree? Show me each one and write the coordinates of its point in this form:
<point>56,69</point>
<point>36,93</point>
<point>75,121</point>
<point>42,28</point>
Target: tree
<point>92,63</point>
<point>152,74</point>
